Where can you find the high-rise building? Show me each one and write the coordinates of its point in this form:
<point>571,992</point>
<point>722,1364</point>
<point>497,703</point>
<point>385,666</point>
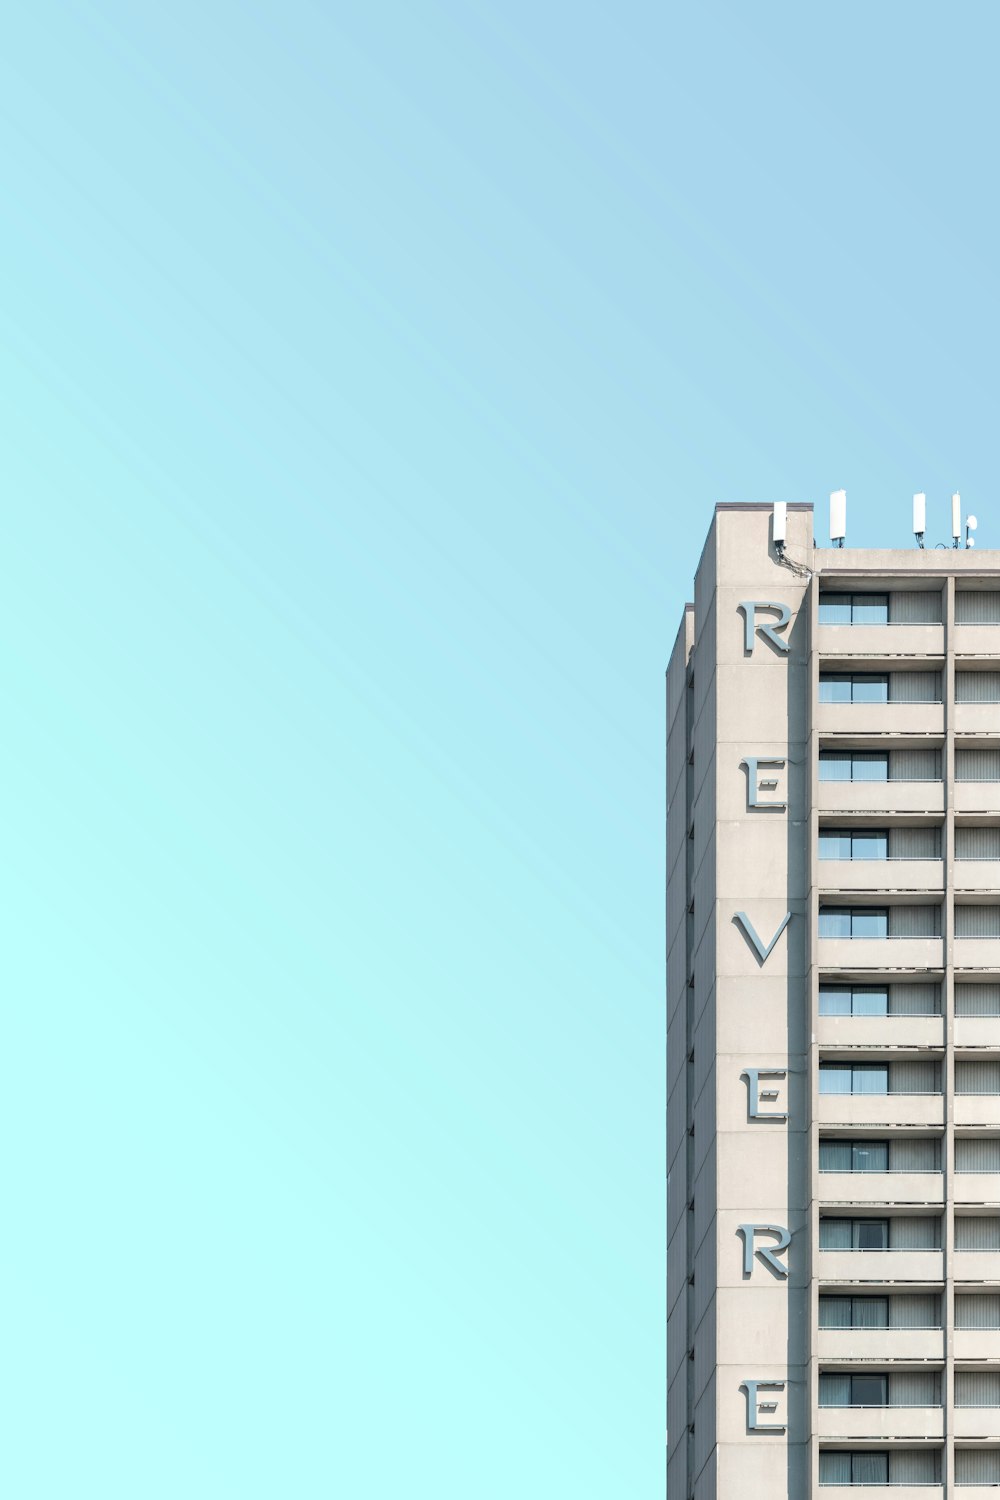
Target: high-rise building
<point>833,930</point>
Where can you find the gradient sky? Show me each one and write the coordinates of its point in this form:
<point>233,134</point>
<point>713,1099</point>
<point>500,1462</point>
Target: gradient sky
<point>369,373</point>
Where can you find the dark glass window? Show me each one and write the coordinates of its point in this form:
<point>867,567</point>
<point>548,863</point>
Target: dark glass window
<point>853,922</point>
<point>853,609</point>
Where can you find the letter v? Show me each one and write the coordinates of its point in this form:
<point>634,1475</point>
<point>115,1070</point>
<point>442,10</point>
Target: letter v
<point>751,932</point>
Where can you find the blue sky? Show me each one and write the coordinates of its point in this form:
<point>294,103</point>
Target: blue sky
<point>369,375</point>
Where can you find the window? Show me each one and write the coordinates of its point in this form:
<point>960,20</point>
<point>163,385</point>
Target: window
<point>853,843</point>
<point>853,609</point>
<point>971,765</point>
<point>853,1390</point>
<point>854,1234</point>
<point>855,765</point>
<point>854,1312</point>
<point>853,922</point>
<point>900,921</point>
<point>977,1153</point>
<point>977,687</point>
<point>902,1155</point>
<point>853,1000</point>
<point>857,687</point>
<point>975,607</point>
<point>853,1468</point>
<point>853,1078</point>
<point>977,921</point>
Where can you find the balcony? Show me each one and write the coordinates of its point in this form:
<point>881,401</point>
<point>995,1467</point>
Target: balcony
<point>975,875</point>
<point>886,718</point>
<point>977,1109</point>
<point>976,640</point>
<point>863,1422</point>
<point>887,796</point>
<point>977,953</point>
<point>898,1492</point>
<point>976,1265</point>
<point>883,1109</point>
<point>977,1422</point>
<point>974,718</point>
<point>885,1266</point>
<point>970,796</point>
<point>978,1344</point>
<point>975,1031</point>
<point>847,642</point>
<point>884,1031</point>
<point>881,1187</point>
<point>977,1187</point>
<point>848,955</point>
<point>847,875</point>
<point>881,1344</point>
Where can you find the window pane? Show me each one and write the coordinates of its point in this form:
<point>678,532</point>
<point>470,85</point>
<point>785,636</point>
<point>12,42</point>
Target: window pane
<point>834,687</point>
<point>834,1078</point>
<point>869,845</point>
<point>870,1312</point>
<point>869,687</point>
<point>870,609</point>
<point>870,1002</point>
<point>869,1468</point>
<point>869,765</point>
<point>835,1002</point>
<point>834,765</point>
<point>870,1156</point>
<point>834,1156</point>
<point>869,1390</point>
<point>835,921</point>
<point>870,1078</point>
<point>835,1390</point>
<point>834,844</point>
<point>835,1468</point>
<point>835,1312</point>
<point>869,922</point>
<point>835,1234</point>
<point>835,609</point>
<point>871,1234</point>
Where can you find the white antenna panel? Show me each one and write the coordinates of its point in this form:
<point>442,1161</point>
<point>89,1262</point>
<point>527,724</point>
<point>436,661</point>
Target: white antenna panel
<point>838,515</point>
<point>919,514</point>
<point>780,521</point>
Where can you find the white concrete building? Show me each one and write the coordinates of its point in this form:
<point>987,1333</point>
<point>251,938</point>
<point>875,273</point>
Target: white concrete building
<point>833,1049</point>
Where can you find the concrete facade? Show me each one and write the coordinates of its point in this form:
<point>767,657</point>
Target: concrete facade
<point>833,1035</point>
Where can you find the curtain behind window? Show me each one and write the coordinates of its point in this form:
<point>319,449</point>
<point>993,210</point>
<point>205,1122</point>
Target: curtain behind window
<point>977,1310</point>
<point>977,1387</point>
<point>915,1000</point>
<point>916,765</point>
<point>977,765</point>
<point>977,607</point>
<point>922,843</point>
<point>918,921</point>
<point>913,607</point>
<point>977,999</point>
<point>915,1234</point>
<point>912,1466</point>
<point>915,1310</point>
<point>981,1077</point>
<point>973,1154</point>
<point>975,843</point>
<point>914,1388</point>
<point>977,1233</point>
<point>921,687</point>
<point>977,687</point>
<point>913,1078</point>
<point>914,1156</point>
<point>977,921</point>
<point>977,1466</point>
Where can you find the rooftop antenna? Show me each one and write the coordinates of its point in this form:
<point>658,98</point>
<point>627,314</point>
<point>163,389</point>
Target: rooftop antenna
<point>838,517</point>
<point>970,525</point>
<point>919,518</point>
<point>779,527</point>
<point>956,519</point>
